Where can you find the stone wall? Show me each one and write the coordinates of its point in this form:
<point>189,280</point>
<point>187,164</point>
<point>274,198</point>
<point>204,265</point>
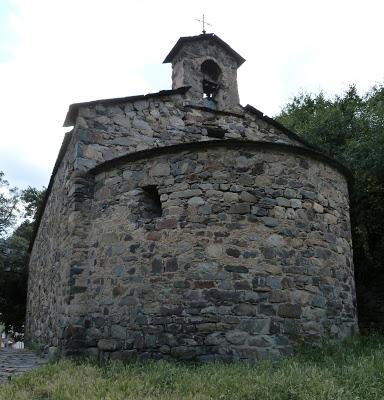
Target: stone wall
<point>174,230</point>
<point>250,253</point>
<point>106,131</point>
<point>58,254</point>
<point>51,255</point>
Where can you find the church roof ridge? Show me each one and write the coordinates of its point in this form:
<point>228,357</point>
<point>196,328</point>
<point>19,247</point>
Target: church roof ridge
<point>185,39</point>
<point>281,127</point>
<point>74,108</point>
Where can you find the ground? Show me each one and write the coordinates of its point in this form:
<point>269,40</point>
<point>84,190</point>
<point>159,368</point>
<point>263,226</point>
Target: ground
<point>15,362</point>
<point>351,370</point>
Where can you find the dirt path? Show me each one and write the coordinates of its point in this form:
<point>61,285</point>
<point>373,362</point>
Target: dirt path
<point>16,361</point>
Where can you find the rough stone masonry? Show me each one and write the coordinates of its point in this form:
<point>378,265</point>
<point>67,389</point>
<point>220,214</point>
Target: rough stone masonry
<point>181,224</point>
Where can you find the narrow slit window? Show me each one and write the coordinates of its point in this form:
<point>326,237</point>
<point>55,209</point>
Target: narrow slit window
<point>216,133</point>
<point>151,202</point>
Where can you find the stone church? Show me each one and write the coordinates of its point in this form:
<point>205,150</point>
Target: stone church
<point>180,224</point>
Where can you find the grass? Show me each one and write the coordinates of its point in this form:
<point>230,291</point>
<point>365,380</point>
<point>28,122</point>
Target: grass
<point>353,369</point>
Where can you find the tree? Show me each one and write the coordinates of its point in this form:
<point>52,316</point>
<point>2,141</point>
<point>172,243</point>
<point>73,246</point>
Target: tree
<point>350,128</point>
<point>32,199</point>
<point>13,277</point>
<point>15,205</point>
<point>9,202</point>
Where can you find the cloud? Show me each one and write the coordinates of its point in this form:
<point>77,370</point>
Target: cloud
<point>61,52</point>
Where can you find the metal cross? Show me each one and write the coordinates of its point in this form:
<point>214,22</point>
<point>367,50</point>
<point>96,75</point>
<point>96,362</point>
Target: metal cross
<point>204,23</point>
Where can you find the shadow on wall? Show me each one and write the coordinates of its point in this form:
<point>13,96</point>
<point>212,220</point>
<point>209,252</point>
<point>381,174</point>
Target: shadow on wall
<point>370,301</point>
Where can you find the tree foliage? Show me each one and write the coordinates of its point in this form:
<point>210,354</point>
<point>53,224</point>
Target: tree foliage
<point>13,277</point>
<point>15,205</point>
<point>350,127</point>
<point>9,202</point>
<point>32,200</point>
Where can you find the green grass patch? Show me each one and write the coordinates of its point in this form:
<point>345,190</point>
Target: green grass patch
<point>353,369</point>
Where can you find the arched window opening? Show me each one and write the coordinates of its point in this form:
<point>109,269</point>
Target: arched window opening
<point>211,76</point>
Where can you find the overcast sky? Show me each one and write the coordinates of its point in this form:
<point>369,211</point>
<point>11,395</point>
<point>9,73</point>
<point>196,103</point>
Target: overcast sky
<point>57,52</point>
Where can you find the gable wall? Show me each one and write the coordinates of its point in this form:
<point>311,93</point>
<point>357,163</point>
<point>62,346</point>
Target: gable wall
<point>104,132</point>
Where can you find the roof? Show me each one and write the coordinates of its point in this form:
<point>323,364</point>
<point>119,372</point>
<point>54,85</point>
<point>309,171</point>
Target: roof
<point>281,127</point>
<point>204,36</point>
<point>73,110</point>
<point>40,212</point>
